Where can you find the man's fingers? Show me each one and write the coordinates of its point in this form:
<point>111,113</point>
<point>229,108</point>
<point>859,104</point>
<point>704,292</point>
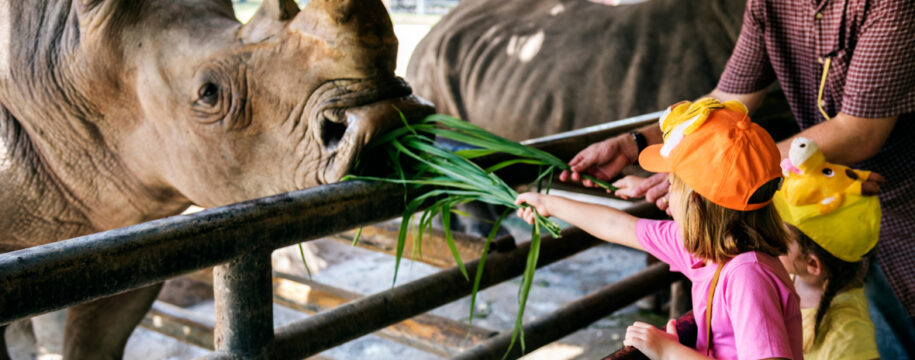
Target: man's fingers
<point>870,188</point>
<point>611,170</point>
<point>576,177</point>
<point>652,181</point>
<point>662,203</point>
<point>877,178</point>
<point>656,192</point>
<point>583,160</point>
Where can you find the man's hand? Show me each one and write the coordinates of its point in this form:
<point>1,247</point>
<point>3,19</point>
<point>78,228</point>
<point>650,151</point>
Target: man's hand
<point>603,160</point>
<point>654,188</point>
<point>871,185</point>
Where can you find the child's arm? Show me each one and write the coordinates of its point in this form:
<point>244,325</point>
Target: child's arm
<point>603,222</point>
<point>660,345</point>
<point>657,344</point>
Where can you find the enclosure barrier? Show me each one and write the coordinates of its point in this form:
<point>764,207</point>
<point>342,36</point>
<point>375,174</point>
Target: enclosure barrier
<point>241,237</point>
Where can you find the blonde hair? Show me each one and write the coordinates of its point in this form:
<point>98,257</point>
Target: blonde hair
<point>714,233</point>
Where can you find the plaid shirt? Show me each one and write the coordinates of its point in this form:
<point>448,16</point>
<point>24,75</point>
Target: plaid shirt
<point>872,75</point>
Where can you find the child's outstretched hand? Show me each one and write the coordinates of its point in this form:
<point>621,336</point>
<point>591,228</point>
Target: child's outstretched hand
<point>536,201</point>
<point>650,340</point>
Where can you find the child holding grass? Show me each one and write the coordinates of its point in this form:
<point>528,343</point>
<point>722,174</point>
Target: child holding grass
<point>826,249</point>
<point>726,235</point>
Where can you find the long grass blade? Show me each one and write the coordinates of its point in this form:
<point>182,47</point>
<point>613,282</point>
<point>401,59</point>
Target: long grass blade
<point>480,265</point>
<point>304,262</point>
<point>446,224</point>
<point>356,238</point>
<point>446,179</point>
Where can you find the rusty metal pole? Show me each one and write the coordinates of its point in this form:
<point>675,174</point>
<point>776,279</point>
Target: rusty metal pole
<point>244,307</point>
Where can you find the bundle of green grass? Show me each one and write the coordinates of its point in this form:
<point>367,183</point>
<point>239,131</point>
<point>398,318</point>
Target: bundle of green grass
<point>442,179</point>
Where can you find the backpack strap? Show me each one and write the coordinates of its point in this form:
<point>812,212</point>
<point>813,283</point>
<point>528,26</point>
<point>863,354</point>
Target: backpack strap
<point>708,310</point>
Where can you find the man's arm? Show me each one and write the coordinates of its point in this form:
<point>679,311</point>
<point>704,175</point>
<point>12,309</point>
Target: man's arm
<point>844,139</point>
<point>847,139</point>
<point>752,101</point>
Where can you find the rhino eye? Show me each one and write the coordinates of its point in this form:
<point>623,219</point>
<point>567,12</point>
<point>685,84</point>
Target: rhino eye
<point>208,94</point>
<point>828,172</point>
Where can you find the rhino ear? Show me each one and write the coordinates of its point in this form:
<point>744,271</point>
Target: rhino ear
<point>270,19</point>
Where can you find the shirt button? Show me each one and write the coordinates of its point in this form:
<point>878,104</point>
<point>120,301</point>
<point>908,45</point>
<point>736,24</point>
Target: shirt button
<point>822,103</point>
<point>818,16</point>
<point>820,59</point>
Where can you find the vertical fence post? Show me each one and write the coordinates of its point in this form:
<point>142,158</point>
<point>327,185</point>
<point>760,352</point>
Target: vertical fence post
<point>244,307</point>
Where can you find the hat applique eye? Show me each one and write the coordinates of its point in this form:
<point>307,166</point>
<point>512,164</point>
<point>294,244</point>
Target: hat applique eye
<point>828,172</point>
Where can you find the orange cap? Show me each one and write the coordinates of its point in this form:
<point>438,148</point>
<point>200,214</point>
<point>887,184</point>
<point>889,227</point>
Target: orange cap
<point>716,150</point>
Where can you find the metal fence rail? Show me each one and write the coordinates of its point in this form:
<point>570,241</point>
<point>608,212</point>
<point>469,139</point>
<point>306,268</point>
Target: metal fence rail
<point>69,272</point>
<point>241,236</point>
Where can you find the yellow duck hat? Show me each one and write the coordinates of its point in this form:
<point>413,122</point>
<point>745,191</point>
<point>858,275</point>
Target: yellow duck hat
<point>850,225</point>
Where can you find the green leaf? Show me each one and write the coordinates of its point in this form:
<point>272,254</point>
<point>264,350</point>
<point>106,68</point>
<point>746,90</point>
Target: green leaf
<point>402,236</point>
<point>508,163</point>
<point>446,225</point>
<point>527,279</point>
<point>474,153</point>
<point>479,274</point>
<point>448,178</point>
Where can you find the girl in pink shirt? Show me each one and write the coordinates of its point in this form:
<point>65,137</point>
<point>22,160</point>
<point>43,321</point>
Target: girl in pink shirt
<point>725,237</point>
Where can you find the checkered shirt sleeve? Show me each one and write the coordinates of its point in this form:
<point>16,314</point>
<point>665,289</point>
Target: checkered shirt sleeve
<point>881,75</point>
<point>748,70</point>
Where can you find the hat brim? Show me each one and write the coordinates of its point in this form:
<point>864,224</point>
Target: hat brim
<point>650,159</point>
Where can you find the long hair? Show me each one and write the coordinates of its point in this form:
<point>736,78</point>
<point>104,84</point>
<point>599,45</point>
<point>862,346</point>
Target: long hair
<point>839,275</point>
<point>715,233</point>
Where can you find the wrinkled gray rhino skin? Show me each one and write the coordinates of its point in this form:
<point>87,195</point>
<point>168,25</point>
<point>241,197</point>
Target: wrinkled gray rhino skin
<point>115,112</point>
<point>528,68</point>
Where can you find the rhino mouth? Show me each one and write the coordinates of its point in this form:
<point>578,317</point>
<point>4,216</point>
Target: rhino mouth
<point>353,113</point>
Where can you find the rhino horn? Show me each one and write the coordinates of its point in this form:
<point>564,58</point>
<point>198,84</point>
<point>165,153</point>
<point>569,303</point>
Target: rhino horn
<point>358,29</point>
<point>269,20</point>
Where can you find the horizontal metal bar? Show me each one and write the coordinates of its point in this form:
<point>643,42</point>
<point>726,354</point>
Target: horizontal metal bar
<point>352,320</point>
<point>566,144</point>
<point>53,276</point>
<point>434,334</point>
<point>577,314</point>
<point>64,273</point>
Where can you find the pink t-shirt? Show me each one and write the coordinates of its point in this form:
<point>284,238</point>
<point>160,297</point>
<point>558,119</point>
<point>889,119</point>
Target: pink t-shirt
<point>756,312</point>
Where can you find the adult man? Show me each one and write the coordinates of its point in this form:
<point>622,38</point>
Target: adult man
<point>851,62</point>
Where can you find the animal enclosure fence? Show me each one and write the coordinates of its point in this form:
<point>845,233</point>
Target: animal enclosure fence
<point>238,240</point>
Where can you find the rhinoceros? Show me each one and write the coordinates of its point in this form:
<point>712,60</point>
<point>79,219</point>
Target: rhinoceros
<point>529,68</point>
<point>115,112</point>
